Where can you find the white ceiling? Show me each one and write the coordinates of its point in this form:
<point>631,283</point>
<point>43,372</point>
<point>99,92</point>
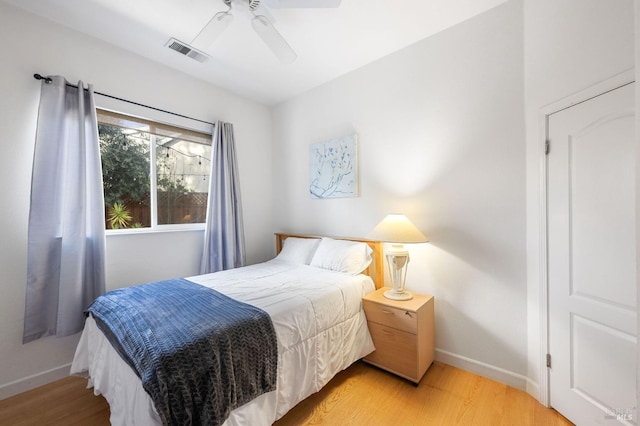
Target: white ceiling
<point>329,42</point>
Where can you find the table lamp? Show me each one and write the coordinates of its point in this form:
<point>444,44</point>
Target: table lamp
<point>397,230</point>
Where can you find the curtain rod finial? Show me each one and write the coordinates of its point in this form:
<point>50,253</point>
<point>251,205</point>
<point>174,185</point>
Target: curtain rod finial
<point>47,80</point>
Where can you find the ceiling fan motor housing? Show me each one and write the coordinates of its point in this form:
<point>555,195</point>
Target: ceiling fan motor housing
<point>253,4</point>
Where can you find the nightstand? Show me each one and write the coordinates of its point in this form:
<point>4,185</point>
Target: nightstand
<point>402,332</point>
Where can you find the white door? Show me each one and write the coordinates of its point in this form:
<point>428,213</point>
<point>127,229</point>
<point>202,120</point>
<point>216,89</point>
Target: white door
<point>591,263</point>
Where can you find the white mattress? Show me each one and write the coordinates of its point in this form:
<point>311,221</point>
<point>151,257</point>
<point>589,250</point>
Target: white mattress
<point>319,323</point>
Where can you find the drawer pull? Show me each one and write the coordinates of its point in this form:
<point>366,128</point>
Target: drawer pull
<point>390,333</point>
<point>387,312</point>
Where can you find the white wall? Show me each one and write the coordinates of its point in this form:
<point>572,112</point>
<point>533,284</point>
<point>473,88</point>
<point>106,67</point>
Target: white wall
<point>569,46</point>
<point>37,45</point>
<point>637,47</point>
<point>441,130</point>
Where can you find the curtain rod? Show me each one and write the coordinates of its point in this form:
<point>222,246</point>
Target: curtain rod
<point>48,80</point>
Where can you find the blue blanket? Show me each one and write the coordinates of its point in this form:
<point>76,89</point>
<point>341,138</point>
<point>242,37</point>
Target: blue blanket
<point>199,353</point>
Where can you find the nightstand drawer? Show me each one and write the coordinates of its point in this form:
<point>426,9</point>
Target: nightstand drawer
<point>393,317</point>
<point>395,350</point>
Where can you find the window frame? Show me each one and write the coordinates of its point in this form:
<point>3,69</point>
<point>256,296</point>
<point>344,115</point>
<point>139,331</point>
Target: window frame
<point>162,118</point>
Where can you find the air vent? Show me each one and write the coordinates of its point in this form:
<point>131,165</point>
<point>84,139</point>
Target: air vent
<point>187,50</point>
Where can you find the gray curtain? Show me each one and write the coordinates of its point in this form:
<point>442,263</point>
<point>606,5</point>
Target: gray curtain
<point>224,232</point>
<point>66,242</point>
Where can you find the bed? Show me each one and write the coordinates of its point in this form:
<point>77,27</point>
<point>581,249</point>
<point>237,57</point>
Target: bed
<point>312,293</point>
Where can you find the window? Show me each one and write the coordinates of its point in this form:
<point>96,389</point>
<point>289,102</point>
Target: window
<point>154,175</point>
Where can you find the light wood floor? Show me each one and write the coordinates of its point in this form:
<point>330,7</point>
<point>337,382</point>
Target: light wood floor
<point>360,395</point>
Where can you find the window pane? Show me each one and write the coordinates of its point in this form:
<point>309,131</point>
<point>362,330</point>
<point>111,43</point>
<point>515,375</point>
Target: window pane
<point>182,170</point>
<point>125,171</point>
<point>149,165</point>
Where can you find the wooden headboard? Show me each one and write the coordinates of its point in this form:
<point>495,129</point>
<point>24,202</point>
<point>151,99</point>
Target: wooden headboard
<point>375,270</point>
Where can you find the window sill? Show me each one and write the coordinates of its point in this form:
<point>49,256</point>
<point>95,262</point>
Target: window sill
<point>157,230</point>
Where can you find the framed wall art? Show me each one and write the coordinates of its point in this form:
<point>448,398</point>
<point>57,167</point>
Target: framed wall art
<point>333,168</point>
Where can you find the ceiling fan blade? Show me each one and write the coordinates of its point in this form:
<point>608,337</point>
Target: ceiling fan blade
<point>273,39</point>
<point>263,10</point>
<point>282,4</point>
<point>212,30</point>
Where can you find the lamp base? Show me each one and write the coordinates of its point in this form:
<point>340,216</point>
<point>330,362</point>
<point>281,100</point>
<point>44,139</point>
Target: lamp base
<point>396,295</point>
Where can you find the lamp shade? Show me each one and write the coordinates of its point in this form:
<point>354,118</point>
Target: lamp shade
<point>396,228</point>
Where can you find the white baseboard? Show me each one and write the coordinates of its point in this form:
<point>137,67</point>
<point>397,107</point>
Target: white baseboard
<point>498,374</point>
<point>34,381</point>
<point>492,372</point>
<point>533,389</point>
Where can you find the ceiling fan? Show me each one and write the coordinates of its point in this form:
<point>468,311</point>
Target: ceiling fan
<point>260,23</point>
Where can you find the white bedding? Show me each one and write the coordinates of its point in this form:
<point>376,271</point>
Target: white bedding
<point>319,323</point>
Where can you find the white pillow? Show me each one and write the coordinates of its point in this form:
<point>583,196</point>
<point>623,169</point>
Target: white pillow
<point>343,256</point>
<point>298,250</point>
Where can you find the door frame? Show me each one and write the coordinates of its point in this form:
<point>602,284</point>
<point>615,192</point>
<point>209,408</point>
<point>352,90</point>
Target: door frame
<point>615,82</point>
